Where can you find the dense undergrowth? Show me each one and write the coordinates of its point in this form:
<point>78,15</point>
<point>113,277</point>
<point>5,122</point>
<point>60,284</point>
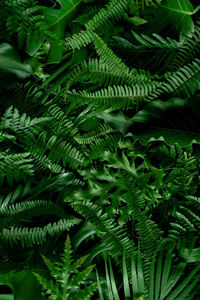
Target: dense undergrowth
<point>100,149</point>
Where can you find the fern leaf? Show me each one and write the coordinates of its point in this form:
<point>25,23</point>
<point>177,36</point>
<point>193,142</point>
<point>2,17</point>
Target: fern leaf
<point>104,18</point>
<point>158,41</point>
<point>112,61</point>
<point>67,277</point>
<point>148,3</point>
<point>97,72</point>
<point>48,285</point>
<point>14,167</point>
<point>81,276</point>
<point>117,96</point>
<point>185,81</point>
<point>35,235</point>
<point>94,135</point>
<point>188,50</point>
<point>114,237</point>
<point>19,192</point>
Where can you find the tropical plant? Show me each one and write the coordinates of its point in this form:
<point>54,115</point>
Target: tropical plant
<point>162,279</point>
<point>67,277</point>
<point>99,137</point>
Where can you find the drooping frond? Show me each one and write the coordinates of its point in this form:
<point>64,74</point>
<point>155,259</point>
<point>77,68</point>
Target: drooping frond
<point>28,237</point>
<point>30,205</point>
<point>13,195</point>
<point>59,150</point>
<point>152,52</point>
<point>14,167</point>
<point>189,50</point>
<point>148,231</point>
<point>185,81</point>
<point>59,122</point>
<point>117,96</point>
<point>42,162</point>
<point>97,72</point>
<point>112,61</point>
<point>157,41</point>
<point>113,236</point>
<point>22,125</point>
<point>186,220</point>
<point>93,135</point>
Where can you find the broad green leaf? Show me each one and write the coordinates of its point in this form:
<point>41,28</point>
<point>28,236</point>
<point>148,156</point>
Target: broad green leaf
<point>180,12</point>
<point>10,63</point>
<point>113,283</point>
<point>6,297</point>
<point>137,21</point>
<point>183,7</point>
<point>116,120</point>
<point>175,121</point>
<point>173,16</point>
<point>84,232</point>
<point>33,42</point>
<point>57,19</point>
<point>127,293</point>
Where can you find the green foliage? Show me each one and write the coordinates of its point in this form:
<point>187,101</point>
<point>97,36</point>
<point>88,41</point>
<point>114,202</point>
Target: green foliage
<point>103,19</point>
<point>165,125</point>
<point>11,66</point>
<point>165,281</point>
<point>99,137</point>
<point>66,277</point>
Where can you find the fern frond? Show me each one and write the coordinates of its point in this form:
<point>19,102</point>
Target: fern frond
<point>21,207</point>
<point>148,231</point>
<point>48,285</point>
<point>67,277</point>
<point>158,41</point>
<point>148,3</point>
<point>6,137</point>
<point>59,150</point>
<point>42,162</point>
<point>114,237</point>
<point>80,40</point>
<point>14,167</point>
<point>117,96</point>
<point>185,81</point>
<point>111,13</point>
<point>19,192</point>
<point>104,18</point>
<point>94,135</point>
<point>12,120</point>
<point>189,50</point>
<point>22,20</point>
<point>81,276</point>
<point>59,122</point>
<point>96,71</point>
<point>36,235</point>
<point>112,61</point>
<point>186,221</point>
<point>22,124</point>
